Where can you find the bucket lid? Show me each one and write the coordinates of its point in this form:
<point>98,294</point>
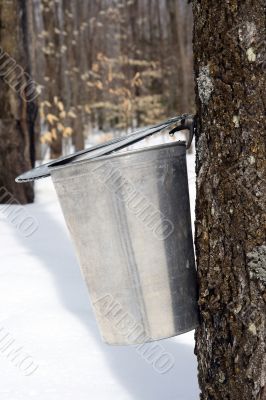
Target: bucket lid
<point>186,122</point>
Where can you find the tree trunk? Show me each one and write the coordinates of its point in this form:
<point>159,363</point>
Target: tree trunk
<point>16,115</point>
<point>229,51</point>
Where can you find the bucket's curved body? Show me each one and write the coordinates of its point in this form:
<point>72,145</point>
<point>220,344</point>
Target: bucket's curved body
<point>129,217</point>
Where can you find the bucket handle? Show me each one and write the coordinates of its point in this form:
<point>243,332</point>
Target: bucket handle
<point>189,123</point>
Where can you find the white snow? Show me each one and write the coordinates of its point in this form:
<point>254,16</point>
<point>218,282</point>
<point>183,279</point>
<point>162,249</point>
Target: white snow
<point>46,310</point>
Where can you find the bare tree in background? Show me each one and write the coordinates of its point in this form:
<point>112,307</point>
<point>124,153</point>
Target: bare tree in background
<point>230,56</point>
<point>17,114</point>
<point>110,64</point>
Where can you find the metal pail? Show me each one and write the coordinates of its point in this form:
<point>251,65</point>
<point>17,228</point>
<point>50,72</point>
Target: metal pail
<point>129,218</point>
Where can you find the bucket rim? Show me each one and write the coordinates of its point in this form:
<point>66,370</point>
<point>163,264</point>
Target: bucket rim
<point>118,154</point>
<point>44,170</point>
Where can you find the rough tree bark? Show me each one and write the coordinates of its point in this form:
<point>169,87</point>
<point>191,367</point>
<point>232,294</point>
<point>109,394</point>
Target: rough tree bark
<point>16,115</point>
<point>229,57</point>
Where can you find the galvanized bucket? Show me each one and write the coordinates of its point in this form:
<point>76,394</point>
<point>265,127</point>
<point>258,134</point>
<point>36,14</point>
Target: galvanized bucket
<point>129,218</point>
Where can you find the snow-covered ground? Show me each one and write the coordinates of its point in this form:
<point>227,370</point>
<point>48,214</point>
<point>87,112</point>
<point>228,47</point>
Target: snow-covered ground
<point>45,310</point>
